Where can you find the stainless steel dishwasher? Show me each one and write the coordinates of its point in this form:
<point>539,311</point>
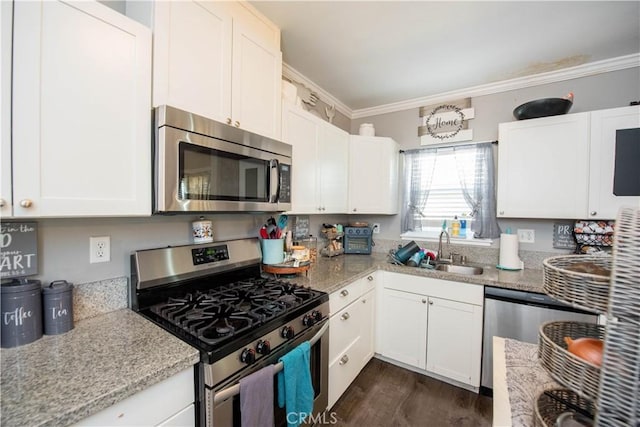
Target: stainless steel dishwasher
<point>518,315</point>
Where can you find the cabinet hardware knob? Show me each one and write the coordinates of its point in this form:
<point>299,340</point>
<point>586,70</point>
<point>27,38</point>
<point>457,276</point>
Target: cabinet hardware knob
<point>345,316</point>
<point>370,278</point>
<point>1,203</point>
<point>344,359</point>
<point>593,213</point>
<point>355,210</point>
<point>344,292</point>
<point>26,203</point>
<point>430,302</point>
<point>364,301</point>
<point>424,301</point>
<point>237,124</point>
<point>501,212</point>
<point>228,120</point>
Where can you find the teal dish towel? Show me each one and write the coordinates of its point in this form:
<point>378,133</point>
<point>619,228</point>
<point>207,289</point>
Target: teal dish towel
<point>294,385</point>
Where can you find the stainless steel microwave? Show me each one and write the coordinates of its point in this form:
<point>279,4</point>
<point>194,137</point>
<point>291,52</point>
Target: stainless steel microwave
<point>201,165</point>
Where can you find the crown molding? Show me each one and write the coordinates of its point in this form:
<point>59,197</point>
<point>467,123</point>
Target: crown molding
<point>585,70</point>
<point>293,74</point>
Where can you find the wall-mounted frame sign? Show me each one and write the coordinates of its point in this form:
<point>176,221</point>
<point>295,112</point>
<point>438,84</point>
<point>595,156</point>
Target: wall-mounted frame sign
<point>563,235</point>
<point>18,249</point>
<point>446,122</point>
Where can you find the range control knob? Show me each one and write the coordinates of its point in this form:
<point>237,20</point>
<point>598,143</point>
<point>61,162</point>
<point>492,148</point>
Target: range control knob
<point>248,356</point>
<point>308,320</point>
<point>263,347</point>
<point>316,315</point>
<point>287,332</point>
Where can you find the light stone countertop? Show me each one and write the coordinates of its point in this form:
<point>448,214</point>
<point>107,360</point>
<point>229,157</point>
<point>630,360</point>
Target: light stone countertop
<point>518,379</point>
<point>331,274</point>
<point>61,379</point>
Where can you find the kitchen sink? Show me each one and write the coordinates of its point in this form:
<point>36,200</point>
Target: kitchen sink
<point>459,269</point>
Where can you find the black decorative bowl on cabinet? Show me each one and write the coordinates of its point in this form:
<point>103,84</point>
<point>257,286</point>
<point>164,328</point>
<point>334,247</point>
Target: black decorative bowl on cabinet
<point>542,108</point>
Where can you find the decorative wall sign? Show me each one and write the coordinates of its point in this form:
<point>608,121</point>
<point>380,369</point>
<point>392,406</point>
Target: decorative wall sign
<point>18,249</point>
<point>563,236</point>
<point>446,122</point>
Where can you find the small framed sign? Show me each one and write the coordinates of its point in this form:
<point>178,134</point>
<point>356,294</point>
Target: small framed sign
<point>18,249</point>
<point>563,236</point>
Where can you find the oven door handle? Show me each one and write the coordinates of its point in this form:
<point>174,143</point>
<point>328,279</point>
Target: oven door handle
<point>235,389</point>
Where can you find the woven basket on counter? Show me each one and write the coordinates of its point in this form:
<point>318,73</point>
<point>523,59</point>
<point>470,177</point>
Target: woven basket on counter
<point>552,403</point>
<point>581,290</point>
<point>567,369</point>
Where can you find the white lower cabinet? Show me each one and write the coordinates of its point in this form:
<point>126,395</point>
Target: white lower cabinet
<point>454,332</point>
<point>167,403</point>
<point>351,333</point>
<point>431,325</point>
<point>403,327</point>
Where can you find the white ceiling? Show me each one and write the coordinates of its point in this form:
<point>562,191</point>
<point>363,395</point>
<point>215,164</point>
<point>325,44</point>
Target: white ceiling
<point>372,53</point>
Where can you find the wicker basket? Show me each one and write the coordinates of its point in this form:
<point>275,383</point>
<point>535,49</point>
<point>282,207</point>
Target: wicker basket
<point>581,290</point>
<point>550,404</point>
<point>567,369</point>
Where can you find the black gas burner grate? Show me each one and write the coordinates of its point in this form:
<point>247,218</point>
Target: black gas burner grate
<point>218,314</point>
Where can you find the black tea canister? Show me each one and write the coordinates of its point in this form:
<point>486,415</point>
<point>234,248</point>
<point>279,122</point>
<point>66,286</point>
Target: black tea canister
<point>57,304</point>
<point>21,304</point>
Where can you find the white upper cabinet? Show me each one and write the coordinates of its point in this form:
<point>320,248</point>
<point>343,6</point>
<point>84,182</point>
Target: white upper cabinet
<point>220,60</point>
<point>575,166</point>
<point>373,175</point>
<point>81,111</point>
<point>543,167</point>
<point>5,108</point>
<point>320,162</point>
<point>615,155</point>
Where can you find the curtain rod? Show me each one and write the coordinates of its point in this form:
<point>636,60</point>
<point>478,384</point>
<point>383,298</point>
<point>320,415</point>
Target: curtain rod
<point>466,144</point>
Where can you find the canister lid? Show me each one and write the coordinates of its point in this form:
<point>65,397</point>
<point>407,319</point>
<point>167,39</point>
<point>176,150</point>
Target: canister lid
<point>19,285</point>
<point>57,286</point>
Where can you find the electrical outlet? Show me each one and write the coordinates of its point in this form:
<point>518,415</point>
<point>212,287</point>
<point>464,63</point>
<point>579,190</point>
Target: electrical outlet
<point>376,228</point>
<point>526,236</point>
<point>99,249</point>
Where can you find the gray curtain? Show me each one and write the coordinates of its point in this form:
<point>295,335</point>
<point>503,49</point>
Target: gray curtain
<point>479,190</point>
<point>418,169</point>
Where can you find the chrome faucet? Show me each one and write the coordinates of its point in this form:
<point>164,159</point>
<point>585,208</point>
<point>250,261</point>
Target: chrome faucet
<point>440,257</point>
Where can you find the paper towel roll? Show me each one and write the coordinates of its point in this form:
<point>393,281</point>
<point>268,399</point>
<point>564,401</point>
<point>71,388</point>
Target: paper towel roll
<point>509,259</point>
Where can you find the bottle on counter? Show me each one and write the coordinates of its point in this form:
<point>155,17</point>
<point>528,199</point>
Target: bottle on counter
<point>455,227</point>
<point>463,226</point>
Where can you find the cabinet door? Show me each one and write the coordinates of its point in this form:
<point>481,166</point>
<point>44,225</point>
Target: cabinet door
<point>454,347</point>
<point>543,165</point>
<point>403,327</point>
<point>373,175</point>
<point>301,131</point>
<point>6,13</point>
<point>614,140</point>
<point>333,164</point>
<point>367,326</point>
<point>192,57</point>
<point>81,131</point>
<point>256,77</point>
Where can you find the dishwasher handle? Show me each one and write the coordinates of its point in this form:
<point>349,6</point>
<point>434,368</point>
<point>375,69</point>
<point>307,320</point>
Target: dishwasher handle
<point>529,298</point>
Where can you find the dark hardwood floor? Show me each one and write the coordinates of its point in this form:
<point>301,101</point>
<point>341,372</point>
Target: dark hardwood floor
<point>386,395</point>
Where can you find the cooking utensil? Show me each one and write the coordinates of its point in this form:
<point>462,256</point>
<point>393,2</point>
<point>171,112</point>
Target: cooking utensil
<point>282,221</point>
<point>263,232</point>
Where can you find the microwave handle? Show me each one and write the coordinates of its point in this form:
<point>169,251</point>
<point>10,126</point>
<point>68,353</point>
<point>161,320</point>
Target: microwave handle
<point>274,178</point>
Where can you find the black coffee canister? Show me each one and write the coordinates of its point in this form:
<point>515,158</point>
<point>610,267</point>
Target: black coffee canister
<point>57,307</point>
<point>21,304</point>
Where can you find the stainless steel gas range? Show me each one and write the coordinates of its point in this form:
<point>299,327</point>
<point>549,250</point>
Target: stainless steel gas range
<point>214,298</point>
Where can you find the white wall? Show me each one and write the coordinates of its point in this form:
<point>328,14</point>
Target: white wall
<point>608,90</point>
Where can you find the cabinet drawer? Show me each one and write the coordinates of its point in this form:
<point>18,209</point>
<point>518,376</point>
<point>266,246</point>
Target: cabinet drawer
<point>345,296</point>
<point>344,329</point>
<point>150,406</point>
<point>343,371</point>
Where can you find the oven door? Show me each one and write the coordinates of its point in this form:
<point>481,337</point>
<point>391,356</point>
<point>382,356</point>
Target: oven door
<point>197,173</point>
<point>223,402</point>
